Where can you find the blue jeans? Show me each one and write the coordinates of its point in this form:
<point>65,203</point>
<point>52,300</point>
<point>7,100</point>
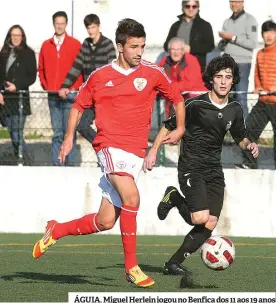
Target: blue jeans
<point>59,112</point>
<point>12,123</point>
<point>243,86</point>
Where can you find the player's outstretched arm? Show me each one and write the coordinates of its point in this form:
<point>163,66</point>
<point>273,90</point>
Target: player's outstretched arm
<point>245,144</point>
<point>151,156</point>
<point>74,118</point>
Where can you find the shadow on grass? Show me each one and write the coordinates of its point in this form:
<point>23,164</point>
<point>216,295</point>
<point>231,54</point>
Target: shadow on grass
<point>34,277</point>
<point>187,281</point>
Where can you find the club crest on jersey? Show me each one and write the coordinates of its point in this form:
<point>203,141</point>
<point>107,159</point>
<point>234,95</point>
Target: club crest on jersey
<point>140,83</point>
<point>228,125</point>
<point>220,115</point>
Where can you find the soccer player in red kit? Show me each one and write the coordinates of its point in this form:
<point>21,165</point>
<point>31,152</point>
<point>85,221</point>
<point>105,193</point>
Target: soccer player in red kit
<point>123,93</point>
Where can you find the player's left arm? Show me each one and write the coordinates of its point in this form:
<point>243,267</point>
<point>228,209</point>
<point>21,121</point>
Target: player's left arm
<point>238,132</point>
<point>172,93</point>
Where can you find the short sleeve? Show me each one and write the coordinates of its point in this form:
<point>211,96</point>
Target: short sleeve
<point>84,98</point>
<point>170,90</point>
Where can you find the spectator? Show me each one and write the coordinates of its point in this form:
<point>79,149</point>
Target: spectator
<point>182,68</point>
<point>56,57</point>
<point>17,72</point>
<point>239,38</point>
<point>197,32</point>
<point>265,80</point>
<point>96,51</point>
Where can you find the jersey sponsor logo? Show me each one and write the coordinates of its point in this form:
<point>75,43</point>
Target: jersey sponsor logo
<point>220,115</point>
<point>121,164</point>
<point>140,83</point>
<point>228,125</point>
<point>109,83</point>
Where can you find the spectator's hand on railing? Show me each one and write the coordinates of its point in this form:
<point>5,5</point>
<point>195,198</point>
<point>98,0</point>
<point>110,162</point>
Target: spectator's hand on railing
<point>63,93</point>
<point>257,91</point>
<point>10,87</point>
<point>65,149</point>
<point>2,99</point>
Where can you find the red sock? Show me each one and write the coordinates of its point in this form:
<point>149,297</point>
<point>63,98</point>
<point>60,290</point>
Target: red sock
<point>128,230</point>
<point>83,226</point>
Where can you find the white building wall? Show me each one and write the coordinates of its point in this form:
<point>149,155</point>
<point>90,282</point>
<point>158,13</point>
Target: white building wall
<point>30,196</point>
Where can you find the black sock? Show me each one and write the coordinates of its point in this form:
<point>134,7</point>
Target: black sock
<point>193,240</point>
<point>180,203</point>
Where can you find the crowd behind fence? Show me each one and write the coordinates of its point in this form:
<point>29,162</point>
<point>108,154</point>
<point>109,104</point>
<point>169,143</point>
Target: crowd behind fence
<point>38,134</point>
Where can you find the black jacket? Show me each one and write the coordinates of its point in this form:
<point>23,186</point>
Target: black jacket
<point>201,38</point>
<point>22,74</point>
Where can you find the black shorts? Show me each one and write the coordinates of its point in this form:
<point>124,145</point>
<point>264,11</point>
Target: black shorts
<point>203,191</point>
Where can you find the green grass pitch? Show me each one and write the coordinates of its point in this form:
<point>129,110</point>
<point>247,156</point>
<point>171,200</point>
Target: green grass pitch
<point>95,264</point>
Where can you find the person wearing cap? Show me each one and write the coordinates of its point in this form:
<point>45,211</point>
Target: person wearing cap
<point>195,31</point>
<point>239,39</point>
<point>264,110</point>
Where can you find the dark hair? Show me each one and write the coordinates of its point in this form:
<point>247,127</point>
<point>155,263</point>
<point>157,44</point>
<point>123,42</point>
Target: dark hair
<point>91,19</point>
<point>7,42</point>
<point>128,28</point>
<point>268,26</point>
<point>60,14</point>
<point>216,65</point>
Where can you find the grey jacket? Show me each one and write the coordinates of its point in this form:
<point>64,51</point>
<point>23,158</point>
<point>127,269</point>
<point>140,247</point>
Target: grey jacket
<point>245,28</point>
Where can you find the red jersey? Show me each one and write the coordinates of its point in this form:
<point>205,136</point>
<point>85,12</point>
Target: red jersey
<point>123,101</point>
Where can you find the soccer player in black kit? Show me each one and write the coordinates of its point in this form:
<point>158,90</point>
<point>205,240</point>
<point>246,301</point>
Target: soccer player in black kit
<point>201,179</point>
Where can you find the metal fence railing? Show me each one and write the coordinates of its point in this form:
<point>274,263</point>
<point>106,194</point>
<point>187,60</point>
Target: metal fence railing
<point>37,132</point>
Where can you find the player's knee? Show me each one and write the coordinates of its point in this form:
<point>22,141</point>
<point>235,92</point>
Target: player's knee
<point>132,200</point>
<point>106,223</point>
<point>200,217</point>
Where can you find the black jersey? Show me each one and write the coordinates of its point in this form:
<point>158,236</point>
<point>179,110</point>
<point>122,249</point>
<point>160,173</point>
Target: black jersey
<point>206,126</point>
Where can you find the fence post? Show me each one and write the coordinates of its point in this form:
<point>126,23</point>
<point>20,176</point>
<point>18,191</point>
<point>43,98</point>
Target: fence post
<point>162,154</point>
<point>21,130</point>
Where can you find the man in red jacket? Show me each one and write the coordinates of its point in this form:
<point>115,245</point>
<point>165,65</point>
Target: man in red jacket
<point>56,57</point>
<point>182,68</point>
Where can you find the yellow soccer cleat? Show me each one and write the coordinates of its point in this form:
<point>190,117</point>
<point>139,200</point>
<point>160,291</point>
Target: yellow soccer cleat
<point>137,277</point>
<point>46,241</point>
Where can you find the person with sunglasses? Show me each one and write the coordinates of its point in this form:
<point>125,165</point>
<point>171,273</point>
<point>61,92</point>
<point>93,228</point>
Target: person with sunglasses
<point>195,31</point>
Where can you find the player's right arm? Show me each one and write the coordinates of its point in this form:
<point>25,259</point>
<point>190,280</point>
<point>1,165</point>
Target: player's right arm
<point>84,99</point>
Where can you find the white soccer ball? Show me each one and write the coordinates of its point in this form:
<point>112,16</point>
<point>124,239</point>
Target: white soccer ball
<point>218,252</point>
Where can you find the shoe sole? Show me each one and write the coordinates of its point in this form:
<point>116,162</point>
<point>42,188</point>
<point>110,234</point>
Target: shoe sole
<point>144,285</point>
